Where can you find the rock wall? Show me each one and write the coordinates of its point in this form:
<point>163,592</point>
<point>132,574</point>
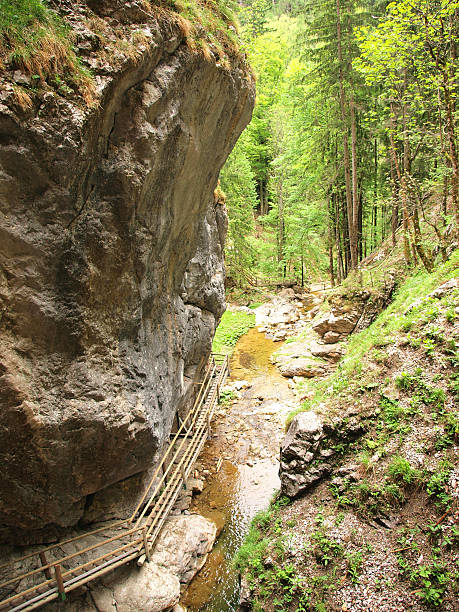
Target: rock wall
<point>111,268</point>
<point>312,447</point>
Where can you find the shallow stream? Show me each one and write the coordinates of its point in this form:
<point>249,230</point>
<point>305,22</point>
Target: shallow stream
<point>244,448</point>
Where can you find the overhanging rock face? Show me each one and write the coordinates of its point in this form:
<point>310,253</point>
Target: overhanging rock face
<point>111,274</point>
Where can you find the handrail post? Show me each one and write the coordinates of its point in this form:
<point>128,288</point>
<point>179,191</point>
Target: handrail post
<point>45,562</point>
<point>60,582</point>
<point>145,543</point>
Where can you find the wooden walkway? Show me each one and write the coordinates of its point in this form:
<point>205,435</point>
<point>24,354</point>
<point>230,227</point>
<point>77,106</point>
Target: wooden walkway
<point>50,573</point>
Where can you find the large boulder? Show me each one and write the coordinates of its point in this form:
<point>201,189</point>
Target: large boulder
<point>297,452</point>
<point>111,265</point>
<point>311,446</point>
<point>279,311</point>
<point>184,544</point>
<point>340,324</point>
<point>303,366</point>
<point>180,552</point>
<point>151,588</point>
<point>332,352</point>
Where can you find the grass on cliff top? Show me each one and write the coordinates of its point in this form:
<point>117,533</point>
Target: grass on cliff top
<point>232,326</point>
<point>209,26</point>
<point>382,332</point>
<point>35,40</point>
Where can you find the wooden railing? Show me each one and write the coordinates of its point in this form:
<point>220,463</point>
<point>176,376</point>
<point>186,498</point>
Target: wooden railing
<point>121,541</point>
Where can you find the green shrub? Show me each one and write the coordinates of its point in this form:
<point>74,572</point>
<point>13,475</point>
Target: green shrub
<point>400,470</point>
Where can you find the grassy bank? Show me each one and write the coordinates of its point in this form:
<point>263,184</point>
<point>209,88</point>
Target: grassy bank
<point>35,40</point>
<point>399,318</point>
<point>38,39</point>
<point>232,326</point>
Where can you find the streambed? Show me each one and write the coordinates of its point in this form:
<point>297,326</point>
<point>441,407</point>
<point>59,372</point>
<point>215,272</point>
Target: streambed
<point>244,448</point>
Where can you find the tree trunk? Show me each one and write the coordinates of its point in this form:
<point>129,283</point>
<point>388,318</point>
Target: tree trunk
<point>403,193</point>
<point>425,258</point>
<point>452,150</point>
<point>330,240</point>
<point>347,165</point>
<point>339,255</point>
<point>354,235</point>
<point>394,217</point>
<point>280,223</point>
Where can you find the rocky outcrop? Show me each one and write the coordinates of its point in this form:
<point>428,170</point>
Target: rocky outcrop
<point>311,448</point>
<point>306,358</point>
<point>332,352</point>
<point>352,311</point>
<point>302,366</point>
<point>337,324</point>
<point>111,271</point>
<point>184,545</point>
<point>284,314</point>
<point>150,588</point>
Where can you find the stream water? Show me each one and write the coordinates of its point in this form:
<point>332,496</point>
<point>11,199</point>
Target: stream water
<point>244,448</point>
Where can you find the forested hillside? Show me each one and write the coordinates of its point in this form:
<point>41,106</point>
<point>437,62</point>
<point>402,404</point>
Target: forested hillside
<point>354,137</point>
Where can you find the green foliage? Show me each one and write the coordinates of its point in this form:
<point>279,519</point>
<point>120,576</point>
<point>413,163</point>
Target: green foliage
<point>368,498</point>
<point>431,580</point>
<point>232,326</point>
<point>238,184</point>
<point>326,550</point>
<point>394,414</point>
<point>436,485</point>
<point>279,582</point>
<point>400,470</point>
<point>226,397</point>
<point>354,565</point>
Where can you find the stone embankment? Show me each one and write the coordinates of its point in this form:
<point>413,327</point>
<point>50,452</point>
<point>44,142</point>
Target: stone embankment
<point>311,448</point>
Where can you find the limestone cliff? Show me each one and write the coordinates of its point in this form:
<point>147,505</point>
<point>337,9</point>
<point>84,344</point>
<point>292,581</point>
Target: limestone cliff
<point>111,267</point>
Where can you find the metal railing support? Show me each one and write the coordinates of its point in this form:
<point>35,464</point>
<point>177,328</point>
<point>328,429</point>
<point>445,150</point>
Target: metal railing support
<point>145,544</point>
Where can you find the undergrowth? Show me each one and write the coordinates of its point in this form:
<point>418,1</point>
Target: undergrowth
<point>232,326</point>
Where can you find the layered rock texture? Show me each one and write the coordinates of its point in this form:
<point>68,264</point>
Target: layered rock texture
<point>111,268</point>
<point>353,311</point>
<point>311,448</point>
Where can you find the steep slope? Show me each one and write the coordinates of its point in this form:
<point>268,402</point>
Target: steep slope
<point>111,265</point>
<point>372,464</point>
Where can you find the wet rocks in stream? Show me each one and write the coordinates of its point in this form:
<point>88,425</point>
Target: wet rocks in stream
<point>285,315</point>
